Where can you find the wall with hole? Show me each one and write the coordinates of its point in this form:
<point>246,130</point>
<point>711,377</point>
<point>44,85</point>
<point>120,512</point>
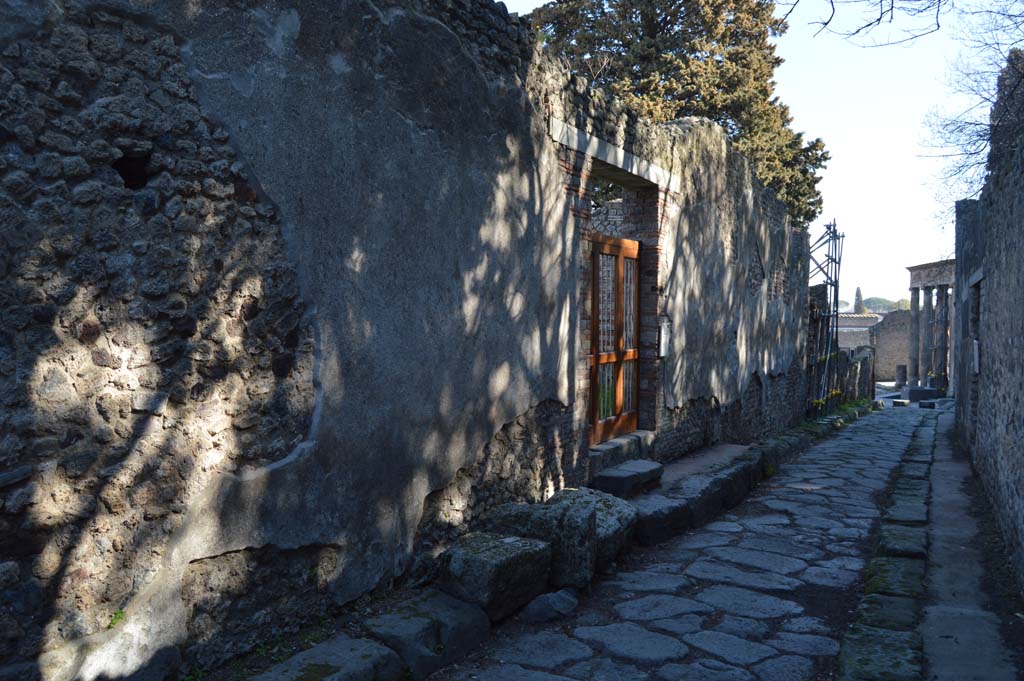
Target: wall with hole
<point>293,289</point>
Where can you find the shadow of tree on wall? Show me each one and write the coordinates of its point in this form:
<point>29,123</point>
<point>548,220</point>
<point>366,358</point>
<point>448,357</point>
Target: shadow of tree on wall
<point>206,495</point>
<point>735,289</point>
<point>131,311</point>
<point>153,336</point>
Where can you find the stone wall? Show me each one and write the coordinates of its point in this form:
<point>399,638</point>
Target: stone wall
<point>891,340</point>
<point>721,263</point>
<point>153,333</point>
<point>855,375</point>
<point>185,231</point>
<point>293,290</point>
<point>853,338</point>
<point>989,329</point>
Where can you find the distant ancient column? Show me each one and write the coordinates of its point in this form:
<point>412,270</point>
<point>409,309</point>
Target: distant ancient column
<point>914,376</point>
<point>941,353</point>
<point>927,334</point>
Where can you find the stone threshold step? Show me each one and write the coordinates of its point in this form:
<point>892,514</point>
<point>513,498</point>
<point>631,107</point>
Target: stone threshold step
<point>636,445</point>
<point>696,489</point>
<point>630,478</point>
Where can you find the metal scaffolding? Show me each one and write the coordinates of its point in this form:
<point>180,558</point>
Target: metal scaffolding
<point>826,260</point>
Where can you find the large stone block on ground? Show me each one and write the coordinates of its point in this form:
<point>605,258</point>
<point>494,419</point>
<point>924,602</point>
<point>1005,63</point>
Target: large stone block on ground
<point>339,659</point>
<point>615,519</point>
<point>872,654</point>
<point>629,478</point>
<point>500,574</point>
<point>661,518</point>
<point>430,631</point>
<point>570,529</point>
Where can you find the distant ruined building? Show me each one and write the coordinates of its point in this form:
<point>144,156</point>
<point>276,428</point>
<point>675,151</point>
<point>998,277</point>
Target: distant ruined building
<point>293,293</point>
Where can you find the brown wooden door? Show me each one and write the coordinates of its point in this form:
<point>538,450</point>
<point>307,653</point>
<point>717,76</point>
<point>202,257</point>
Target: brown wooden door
<point>614,337</point>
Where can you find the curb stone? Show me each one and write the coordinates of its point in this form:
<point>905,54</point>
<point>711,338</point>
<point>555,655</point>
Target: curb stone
<point>416,656</point>
<point>883,641</point>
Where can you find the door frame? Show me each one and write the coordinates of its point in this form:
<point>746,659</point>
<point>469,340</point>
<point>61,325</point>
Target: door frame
<point>618,423</point>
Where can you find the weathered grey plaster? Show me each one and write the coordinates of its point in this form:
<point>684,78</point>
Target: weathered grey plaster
<point>427,218</point>
<point>423,208</point>
<point>736,306</point>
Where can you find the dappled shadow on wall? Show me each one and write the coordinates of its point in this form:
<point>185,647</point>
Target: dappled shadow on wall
<point>153,337</point>
<point>157,360</point>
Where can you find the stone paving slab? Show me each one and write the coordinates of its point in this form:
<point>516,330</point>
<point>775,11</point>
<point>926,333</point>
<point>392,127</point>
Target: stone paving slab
<point>633,643</point>
<point>896,577</point>
<point>544,649</point>
<point>908,510</point>
<point>341,658</point>
<point>762,592</point>
<point>888,612</point>
<point>901,541</point>
<point>871,654</point>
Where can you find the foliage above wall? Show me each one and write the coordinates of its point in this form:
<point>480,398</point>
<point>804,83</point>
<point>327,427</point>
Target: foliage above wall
<point>677,58</point>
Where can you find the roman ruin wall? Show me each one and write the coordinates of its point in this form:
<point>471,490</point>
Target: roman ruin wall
<point>989,326</point>
<point>891,340</point>
<point>292,291</point>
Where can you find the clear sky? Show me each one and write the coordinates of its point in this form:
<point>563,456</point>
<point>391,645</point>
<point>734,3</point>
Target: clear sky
<point>869,105</point>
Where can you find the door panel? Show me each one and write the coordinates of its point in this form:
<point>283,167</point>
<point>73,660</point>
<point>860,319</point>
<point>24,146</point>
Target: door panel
<point>614,391</point>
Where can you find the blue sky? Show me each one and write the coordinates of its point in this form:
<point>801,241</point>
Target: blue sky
<point>869,105</point>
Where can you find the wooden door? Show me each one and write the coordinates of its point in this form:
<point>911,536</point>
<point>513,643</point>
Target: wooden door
<point>614,337</point>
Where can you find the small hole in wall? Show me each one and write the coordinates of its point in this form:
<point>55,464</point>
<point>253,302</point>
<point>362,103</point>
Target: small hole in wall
<point>132,170</point>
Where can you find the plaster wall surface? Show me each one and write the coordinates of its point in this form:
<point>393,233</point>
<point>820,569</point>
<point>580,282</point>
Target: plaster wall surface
<point>851,339</point>
<point>386,176</point>
<point>989,327</point>
<point>425,225</point>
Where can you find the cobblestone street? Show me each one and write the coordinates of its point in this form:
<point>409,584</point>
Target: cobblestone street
<point>764,592</point>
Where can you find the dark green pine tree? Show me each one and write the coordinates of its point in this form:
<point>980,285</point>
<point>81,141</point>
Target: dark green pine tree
<point>713,58</point>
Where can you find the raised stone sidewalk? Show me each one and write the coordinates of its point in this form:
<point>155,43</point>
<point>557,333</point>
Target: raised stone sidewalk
<point>861,559</point>
<point>763,593</point>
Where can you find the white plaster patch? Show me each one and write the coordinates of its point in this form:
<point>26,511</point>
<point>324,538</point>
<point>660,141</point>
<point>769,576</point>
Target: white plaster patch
<point>338,63</point>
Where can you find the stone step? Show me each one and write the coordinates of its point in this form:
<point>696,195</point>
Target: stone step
<point>427,631</point>
<point>636,445</point>
<point>694,490</point>
<point>629,479</point>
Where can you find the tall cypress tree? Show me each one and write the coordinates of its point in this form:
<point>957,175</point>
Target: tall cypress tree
<point>713,58</point>
<point>858,303</point>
